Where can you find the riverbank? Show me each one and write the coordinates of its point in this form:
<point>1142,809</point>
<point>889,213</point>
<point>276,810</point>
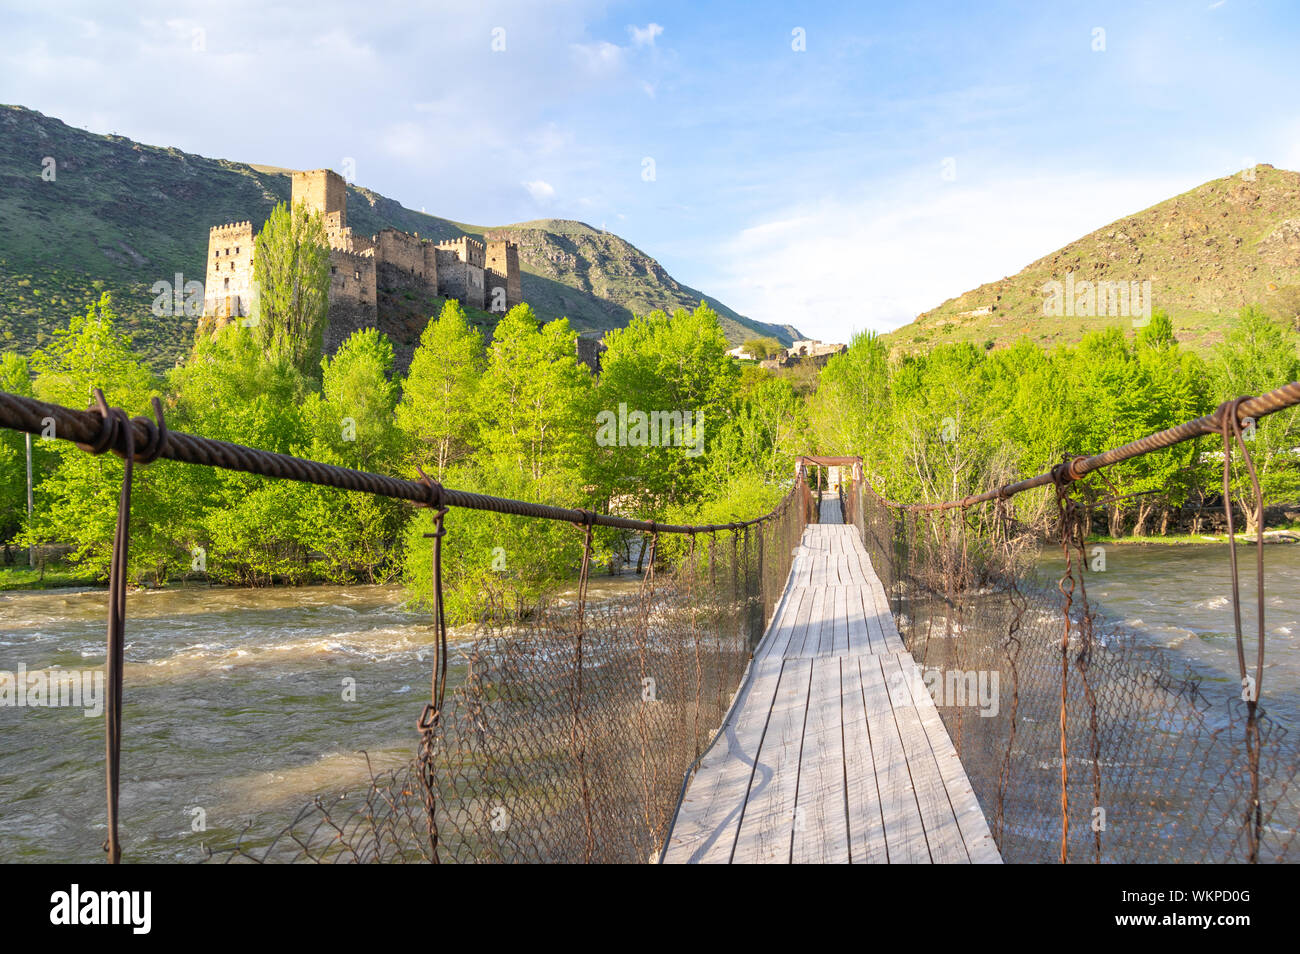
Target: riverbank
<point>49,578</point>
<point>1195,539</point>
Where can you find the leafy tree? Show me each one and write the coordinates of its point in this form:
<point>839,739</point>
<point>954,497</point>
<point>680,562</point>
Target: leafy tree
<point>245,528</point>
<point>291,271</point>
<point>15,378</point>
<point>533,428</point>
<point>438,411</point>
<point>533,405</point>
<point>351,423</point>
<point>1257,355</point>
<point>670,366</point>
<point>851,410</point>
<point>76,502</point>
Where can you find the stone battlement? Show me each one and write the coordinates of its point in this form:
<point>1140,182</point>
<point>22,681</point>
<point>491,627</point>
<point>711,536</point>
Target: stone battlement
<point>372,276</point>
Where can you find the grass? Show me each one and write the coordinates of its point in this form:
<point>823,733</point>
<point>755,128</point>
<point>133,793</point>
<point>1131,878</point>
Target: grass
<point>52,576</point>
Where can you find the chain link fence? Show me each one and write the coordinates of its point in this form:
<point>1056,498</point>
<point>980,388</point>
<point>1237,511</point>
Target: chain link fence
<point>1097,747</point>
<point>575,723</point>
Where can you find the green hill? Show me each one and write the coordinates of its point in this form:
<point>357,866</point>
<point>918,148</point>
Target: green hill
<point>119,216</point>
<point>1227,243</point>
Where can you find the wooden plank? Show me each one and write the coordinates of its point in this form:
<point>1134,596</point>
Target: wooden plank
<point>980,845</point>
<point>794,647</point>
<point>767,822</point>
<point>942,833</point>
<point>866,822</point>
<point>706,826</point>
<point>872,617</point>
<point>859,636</point>
<point>834,751</point>
<point>839,643</point>
<point>804,641</point>
<point>784,623</point>
<point>821,826</point>
<point>904,833</point>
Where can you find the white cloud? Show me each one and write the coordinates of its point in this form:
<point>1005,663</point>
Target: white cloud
<point>540,190</point>
<point>601,58</point>
<point>645,36</point>
<point>834,266</point>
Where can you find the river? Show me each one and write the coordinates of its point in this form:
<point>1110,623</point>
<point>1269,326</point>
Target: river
<point>244,704</point>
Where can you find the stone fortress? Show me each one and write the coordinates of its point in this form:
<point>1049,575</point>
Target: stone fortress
<point>369,277</point>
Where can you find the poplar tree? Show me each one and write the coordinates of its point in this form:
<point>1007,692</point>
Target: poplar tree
<point>291,275</point>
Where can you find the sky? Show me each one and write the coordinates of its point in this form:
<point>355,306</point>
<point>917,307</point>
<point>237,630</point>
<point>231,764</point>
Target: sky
<point>838,169</point>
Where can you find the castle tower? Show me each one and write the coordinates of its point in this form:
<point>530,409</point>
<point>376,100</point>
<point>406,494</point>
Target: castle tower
<point>227,291</point>
<point>323,191</point>
<point>502,272</point>
<point>460,271</point>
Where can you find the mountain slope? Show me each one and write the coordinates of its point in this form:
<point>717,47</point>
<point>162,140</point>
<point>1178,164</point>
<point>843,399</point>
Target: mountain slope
<point>1230,242</point>
<point>118,215</point>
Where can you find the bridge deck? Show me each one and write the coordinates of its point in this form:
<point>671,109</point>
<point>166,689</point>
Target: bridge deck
<point>833,750</point>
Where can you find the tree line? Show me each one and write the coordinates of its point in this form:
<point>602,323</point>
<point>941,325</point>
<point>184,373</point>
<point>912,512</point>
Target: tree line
<point>959,420</point>
<point>514,415</point>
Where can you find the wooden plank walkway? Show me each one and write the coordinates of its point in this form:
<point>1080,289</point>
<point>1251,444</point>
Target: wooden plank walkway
<point>833,750</point>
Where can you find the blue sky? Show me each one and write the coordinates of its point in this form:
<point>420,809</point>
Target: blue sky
<point>908,153</point>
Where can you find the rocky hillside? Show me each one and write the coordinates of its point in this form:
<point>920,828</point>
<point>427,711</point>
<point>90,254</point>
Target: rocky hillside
<point>118,215</point>
<point>571,268</point>
<point>1230,242</point>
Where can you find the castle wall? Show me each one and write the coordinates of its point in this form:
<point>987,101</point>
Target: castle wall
<point>227,287</point>
<point>402,250</point>
<point>460,271</point>
<point>353,293</point>
<point>468,250</point>
<point>452,275</point>
<point>390,281</point>
<point>502,271</point>
<point>431,264</point>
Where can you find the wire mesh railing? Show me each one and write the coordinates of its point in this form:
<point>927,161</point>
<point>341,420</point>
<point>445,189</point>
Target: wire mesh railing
<point>568,735</point>
<point>1098,746</point>
<point>573,722</point>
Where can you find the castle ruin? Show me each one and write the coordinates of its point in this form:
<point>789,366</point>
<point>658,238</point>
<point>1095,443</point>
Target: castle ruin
<point>369,277</point>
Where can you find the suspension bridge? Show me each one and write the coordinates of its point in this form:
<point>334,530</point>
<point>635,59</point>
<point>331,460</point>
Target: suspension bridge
<point>834,751</point>
<point>759,696</point>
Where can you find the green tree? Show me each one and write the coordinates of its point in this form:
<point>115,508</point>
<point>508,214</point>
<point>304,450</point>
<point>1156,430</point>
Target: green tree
<point>438,412</point>
<point>534,400</point>
<point>247,529</point>
<point>761,348</point>
<point>15,378</point>
<point>352,425</point>
<point>1257,355</point>
<point>851,410</point>
<point>76,502</point>
<point>534,425</point>
<point>291,272</point>
<point>662,365</point>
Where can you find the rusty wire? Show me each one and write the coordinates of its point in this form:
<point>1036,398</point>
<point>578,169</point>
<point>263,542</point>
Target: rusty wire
<point>571,728</point>
<point>1169,775</point>
<point>559,691</point>
<point>545,690</point>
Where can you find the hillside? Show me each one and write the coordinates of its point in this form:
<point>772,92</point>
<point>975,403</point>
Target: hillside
<point>119,216</point>
<point>1227,243</point>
